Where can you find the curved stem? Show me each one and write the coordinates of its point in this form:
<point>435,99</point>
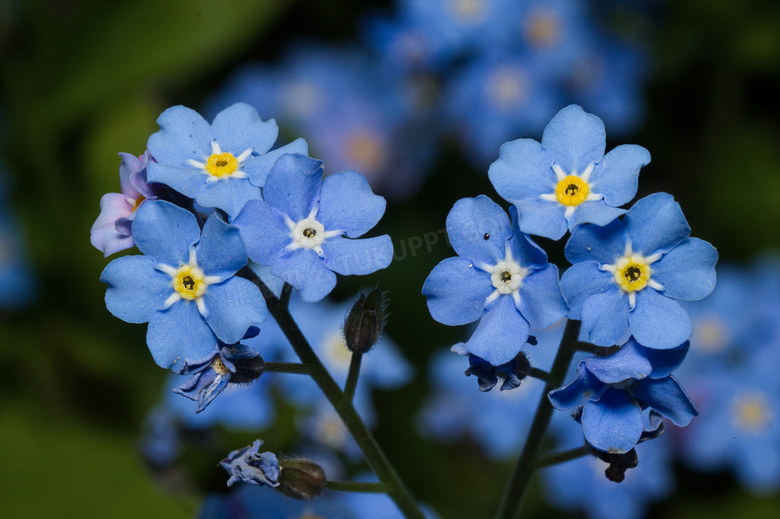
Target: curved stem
<point>513,495</point>
<point>374,455</point>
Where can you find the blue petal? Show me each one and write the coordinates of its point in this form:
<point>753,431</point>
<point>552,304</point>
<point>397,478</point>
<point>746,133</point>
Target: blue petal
<point>293,185</point>
<point>229,194</point>
<point>135,288</point>
<point>165,232</point>
<point>348,204</point>
<point>307,272</point>
<point>659,322</point>
<point>523,171</point>
<point>234,306</point>
<point>594,211</point>
<point>668,398</point>
<point>524,250</point>
<point>239,127</point>
<point>594,243</point>
<point>583,280</point>
<point>542,218</point>
<point>456,291</point>
<point>656,223</point>
<point>617,175</point>
<point>179,333</point>
<point>259,166</point>
<point>357,257</point>
<point>665,361</point>
<point>576,393</point>
<point>626,363</point>
<point>575,139</point>
<point>500,335</point>
<point>183,135</point>
<point>614,423</point>
<point>472,219</point>
<point>221,250</point>
<point>541,300</point>
<point>687,271</point>
<point>605,317</point>
<point>264,231</point>
<point>187,180</point>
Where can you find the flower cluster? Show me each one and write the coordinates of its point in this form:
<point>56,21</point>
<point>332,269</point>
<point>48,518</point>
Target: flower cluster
<point>625,282</point>
<point>204,205</point>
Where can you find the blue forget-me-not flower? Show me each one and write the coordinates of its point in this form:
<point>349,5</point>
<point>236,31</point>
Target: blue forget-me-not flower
<point>500,276</point>
<point>628,276</point>
<point>567,180</point>
<point>614,391</point>
<point>304,228</point>
<point>184,284</point>
<point>219,165</point>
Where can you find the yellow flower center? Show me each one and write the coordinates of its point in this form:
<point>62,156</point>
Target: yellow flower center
<point>137,202</point>
<point>189,282</point>
<point>219,367</point>
<point>221,164</point>
<point>632,273</point>
<point>751,412</point>
<point>571,191</point>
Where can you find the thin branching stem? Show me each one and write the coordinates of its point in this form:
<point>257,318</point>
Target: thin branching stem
<point>352,377</point>
<point>563,456</point>
<point>374,454</point>
<point>521,476</point>
<point>287,367</point>
<point>357,486</point>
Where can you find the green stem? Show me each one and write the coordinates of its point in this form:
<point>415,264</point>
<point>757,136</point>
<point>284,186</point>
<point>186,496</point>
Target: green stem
<point>374,454</point>
<point>357,486</point>
<point>601,351</point>
<point>352,377</point>
<point>540,374</point>
<point>287,367</point>
<point>562,457</point>
<point>513,495</point>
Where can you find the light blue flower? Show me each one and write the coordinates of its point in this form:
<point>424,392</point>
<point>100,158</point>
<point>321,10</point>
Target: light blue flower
<point>495,98</point>
<point>220,165</point>
<point>566,180</point>
<point>627,276</point>
<point>184,285</point>
<point>500,277</point>
<point>614,391</point>
<point>250,465</point>
<point>304,228</point>
<point>112,231</point>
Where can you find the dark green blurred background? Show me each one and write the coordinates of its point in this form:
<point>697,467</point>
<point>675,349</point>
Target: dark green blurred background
<point>82,80</point>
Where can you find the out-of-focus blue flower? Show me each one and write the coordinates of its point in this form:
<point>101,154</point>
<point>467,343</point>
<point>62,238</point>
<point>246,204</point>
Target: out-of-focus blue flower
<point>112,231</point>
<point>250,502</point>
<point>305,227</point>
<point>608,79</point>
<point>17,284</point>
<point>160,443</point>
<point>356,112</point>
<point>184,285</point>
<point>500,277</point>
<point>613,391</point>
<point>250,465</point>
<point>213,373</point>
<point>220,165</point>
<point>566,180</point>
<point>627,276</point>
<point>580,484</point>
<point>739,427</point>
<point>495,98</point>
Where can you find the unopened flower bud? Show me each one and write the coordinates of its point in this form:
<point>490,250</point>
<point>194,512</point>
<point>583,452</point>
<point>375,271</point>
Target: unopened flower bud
<point>248,369</point>
<point>365,322</point>
<point>618,463</point>
<point>300,478</point>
